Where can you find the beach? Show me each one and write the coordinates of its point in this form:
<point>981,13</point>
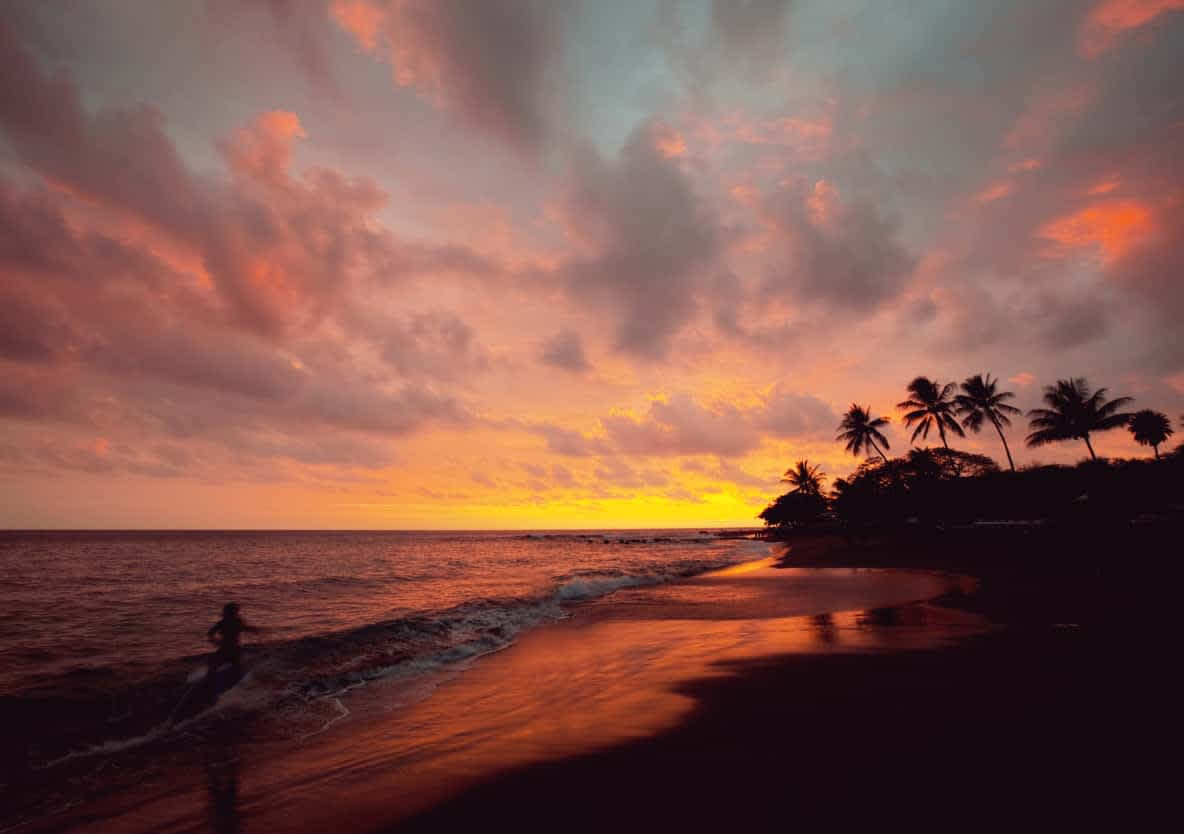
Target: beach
<point>739,699</point>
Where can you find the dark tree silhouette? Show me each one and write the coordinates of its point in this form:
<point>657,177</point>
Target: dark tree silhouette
<point>930,406</point>
<point>1074,413</point>
<point>981,402</point>
<point>793,509</point>
<point>1150,428</point>
<point>860,432</point>
<point>804,478</point>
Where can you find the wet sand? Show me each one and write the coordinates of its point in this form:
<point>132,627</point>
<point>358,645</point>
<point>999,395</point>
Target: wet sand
<point>750,699</point>
<point>1043,720</point>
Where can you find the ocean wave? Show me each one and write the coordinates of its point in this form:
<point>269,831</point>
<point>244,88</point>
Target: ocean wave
<point>308,672</point>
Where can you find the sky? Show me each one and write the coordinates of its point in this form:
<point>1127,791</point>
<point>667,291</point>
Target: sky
<point>444,264</point>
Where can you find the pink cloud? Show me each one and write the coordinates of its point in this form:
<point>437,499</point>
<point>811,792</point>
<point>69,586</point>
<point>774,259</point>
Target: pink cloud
<point>1110,19</point>
<point>668,141</point>
<point>485,62</point>
<point>995,191</point>
<point>263,149</point>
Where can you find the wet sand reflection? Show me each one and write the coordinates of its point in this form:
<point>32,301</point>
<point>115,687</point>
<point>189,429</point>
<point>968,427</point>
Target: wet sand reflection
<point>612,673</point>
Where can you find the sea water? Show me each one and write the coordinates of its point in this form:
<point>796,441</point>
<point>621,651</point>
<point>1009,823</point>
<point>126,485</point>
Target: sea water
<point>102,634</point>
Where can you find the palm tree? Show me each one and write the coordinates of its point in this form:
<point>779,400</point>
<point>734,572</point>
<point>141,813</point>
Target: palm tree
<point>930,406</point>
<point>981,402</point>
<point>804,478</point>
<point>1074,412</point>
<point>861,432</point>
<point>1150,428</point>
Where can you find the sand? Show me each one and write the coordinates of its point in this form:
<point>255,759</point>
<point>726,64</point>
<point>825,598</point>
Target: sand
<point>755,699</point>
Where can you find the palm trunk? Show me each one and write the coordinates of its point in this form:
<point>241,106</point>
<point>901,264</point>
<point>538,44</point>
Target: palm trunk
<point>942,431</point>
<point>1006,450</point>
<point>877,448</point>
<point>1089,446</point>
<point>1155,448</point>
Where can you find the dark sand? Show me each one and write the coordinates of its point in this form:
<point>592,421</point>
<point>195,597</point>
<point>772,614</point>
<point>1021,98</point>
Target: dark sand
<point>1048,721</point>
<point>705,706</point>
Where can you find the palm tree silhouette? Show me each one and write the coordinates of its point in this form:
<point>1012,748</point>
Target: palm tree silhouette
<point>1074,412</point>
<point>861,432</point>
<point>980,402</point>
<point>930,406</point>
<point>804,478</point>
<point>1150,428</point>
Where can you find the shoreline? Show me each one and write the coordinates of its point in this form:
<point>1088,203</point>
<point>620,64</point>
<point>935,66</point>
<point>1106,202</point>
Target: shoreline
<point>755,705</point>
<point>1031,721</point>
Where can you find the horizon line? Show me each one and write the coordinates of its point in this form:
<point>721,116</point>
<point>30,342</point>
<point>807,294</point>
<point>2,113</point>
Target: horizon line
<point>361,529</point>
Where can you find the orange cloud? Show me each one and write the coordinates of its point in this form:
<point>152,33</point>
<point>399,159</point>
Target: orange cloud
<point>263,149</point>
<point>360,19</point>
<point>1114,227</point>
<point>1111,18</point>
<point>808,137</point>
<point>823,203</point>
<point>1022,378</point>
<point>668,141</point>
<point>1104,186</point>
<point>995,191</point>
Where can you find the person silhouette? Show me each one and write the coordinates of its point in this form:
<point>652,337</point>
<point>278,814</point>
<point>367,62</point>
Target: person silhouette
<point>225,634</point>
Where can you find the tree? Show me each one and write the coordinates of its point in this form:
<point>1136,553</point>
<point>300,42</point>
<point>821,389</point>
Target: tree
<point>1074,413</point>
<point>804,478</point>
<point>793,509</point>
<point>946,464</point>
<point>1150,428</point>
<point>930,406</point>
<point>861,432</point>
<point>981,401</point>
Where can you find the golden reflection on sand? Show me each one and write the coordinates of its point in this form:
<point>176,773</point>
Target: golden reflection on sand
<point>610,674</point>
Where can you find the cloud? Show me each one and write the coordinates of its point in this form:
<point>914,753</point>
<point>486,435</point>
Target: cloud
<point>208,308</point>
<point>649,242</point>
<point>569,442</point>
<point>681,425</point>
<point>752,31</point>
<point>27,394</point>
<point>724,471</point>
<point>839,254</point>
<point>277,247</point>
<point>1109,20</point>
<point>487,63</point>
<point>565,350</point>
<point>431,345</point>
<point>299,26</point>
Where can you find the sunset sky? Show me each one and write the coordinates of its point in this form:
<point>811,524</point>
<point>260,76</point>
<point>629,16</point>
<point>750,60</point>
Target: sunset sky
<point>423,264</point>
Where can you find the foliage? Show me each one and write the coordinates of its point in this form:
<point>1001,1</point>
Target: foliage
<point>930,405</point>
<point>1150,428</point>
<point>804,478</point>
<point>926,483</point>
<point>794,509</point>
<point>1074,413</point>
<point>923,488</point>
<point>945,486</point>
<point>862,433</point>
<point>981,402</point>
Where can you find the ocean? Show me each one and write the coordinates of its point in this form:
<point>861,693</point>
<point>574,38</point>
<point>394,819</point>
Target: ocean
<point>102,634</point>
